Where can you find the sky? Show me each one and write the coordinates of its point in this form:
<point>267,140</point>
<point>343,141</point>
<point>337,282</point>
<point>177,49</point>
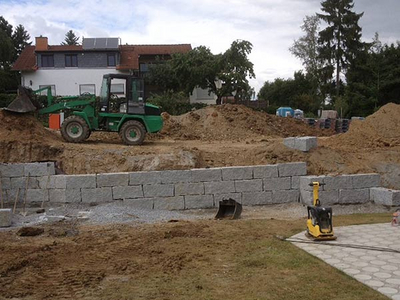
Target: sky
<point>270,25</point>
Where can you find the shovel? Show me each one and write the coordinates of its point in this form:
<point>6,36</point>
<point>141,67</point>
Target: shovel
<point>229,209</point>
<point>23,102</point>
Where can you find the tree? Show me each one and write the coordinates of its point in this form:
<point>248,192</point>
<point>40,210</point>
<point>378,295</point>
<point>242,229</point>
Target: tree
<point>222,74</point>
<point>20,39</point>
<point>340,41</point>
<point>70,39</point>
<point>296,92</point>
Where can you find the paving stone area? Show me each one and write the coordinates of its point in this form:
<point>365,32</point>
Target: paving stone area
<point>379,270</point>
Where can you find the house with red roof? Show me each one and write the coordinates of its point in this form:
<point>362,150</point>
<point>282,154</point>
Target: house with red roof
<point>79,69</point>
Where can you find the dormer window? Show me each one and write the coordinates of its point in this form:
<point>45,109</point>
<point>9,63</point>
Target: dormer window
<point>111,60</point>
<point>47,61</point>
<point>71,60</point>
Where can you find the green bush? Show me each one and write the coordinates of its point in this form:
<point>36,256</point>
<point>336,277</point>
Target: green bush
<point>174,103</point>
<point>6,99</point>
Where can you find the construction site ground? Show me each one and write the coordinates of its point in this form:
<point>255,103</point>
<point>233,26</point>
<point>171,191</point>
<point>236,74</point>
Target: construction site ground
<point>188,255</point>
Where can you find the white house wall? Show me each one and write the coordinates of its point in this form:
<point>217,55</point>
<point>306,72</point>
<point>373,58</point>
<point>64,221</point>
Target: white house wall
<point>66,81</point>
<point>201,96</point>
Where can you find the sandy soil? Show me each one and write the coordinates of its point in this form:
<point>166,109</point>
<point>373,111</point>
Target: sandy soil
<point>215,136</point>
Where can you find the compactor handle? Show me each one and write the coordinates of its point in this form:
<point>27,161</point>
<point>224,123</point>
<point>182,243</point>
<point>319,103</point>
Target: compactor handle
<point>320,183</point>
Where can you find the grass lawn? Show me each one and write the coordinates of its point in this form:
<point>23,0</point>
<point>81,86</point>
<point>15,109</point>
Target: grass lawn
<point>204,259</point>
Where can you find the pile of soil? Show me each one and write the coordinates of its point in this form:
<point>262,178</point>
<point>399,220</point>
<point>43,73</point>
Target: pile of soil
<point>234,122</point>
<point>379,130</point>
<point>23,138</point>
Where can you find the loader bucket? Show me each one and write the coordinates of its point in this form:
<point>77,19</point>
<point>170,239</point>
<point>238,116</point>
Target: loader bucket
<point>23,102</point>
<point>229,209</point>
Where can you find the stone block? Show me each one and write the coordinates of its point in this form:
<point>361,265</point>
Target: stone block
<point>326,198</point>
<point>65,196</point>
<point>159,190</point>
<point>385,196</point>
<point>280,183</point>
<point>266,171</point>
<point>169,203</point>
<point>203,175</point>
<point>306,180</point>
<point>237,173</point>
<point>221,187</point>
<point>295,183</point>
<point>144,178</point>
<point>340,182</point>
<point>292,169</point>
<point>127,192</point>
<point>196,188</point>
<point>140,203</point>
<point>199,201</point>
<point>254,185</point>
<point>256,198</point>
<point>53,182</point>
<point>305,143</point>
<point>354,196</point>
<point>219,197</point>
<point>36,195</point>
<point>289,142</point>
<point>21,182</point>
<point>175,176</point>
<point>286,196</point>
<point>5,183</point>
<point>361,181</point>
<point>11,170</point>
<point>39,169</point>
<point>5,217</point>
<point>103,194</point>
<point>112,179</point>
<point>80,181</point>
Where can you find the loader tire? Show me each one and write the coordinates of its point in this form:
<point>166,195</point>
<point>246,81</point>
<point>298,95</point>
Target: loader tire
<point>74,129</point>
<point>132,133</point>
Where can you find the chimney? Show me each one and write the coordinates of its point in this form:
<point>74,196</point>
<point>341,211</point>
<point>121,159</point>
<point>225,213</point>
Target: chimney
<point>41,43</point>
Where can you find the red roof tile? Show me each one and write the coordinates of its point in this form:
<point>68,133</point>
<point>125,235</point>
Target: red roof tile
<point>26,61</point>
<point>130,53</point>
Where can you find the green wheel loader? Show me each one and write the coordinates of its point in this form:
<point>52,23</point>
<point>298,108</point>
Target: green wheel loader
<point>125,112</point>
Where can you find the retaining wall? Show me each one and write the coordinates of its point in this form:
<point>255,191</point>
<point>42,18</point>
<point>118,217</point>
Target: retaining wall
<point>186,189</point>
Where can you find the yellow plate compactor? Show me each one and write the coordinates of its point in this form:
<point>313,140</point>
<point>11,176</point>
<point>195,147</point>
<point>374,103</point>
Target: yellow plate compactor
<point>319,221</point>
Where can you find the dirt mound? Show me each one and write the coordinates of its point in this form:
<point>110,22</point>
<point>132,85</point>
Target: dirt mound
<point>379,130</point>
<point>23,138</point>
<point>233,122</point>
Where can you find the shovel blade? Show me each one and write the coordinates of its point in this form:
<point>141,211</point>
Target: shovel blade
<point>23,102</point>
<point>229,209</point>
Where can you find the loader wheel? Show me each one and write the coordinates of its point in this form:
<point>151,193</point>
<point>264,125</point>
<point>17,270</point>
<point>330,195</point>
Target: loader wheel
<point>132,133</point>
<point>74,129</point>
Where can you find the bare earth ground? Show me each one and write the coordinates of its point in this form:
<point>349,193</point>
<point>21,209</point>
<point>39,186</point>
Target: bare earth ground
<point>203,259</point>
<point>215,136</point>
<point>192,259</point>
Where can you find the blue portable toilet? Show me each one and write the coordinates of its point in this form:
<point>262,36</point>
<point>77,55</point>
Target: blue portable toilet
<point>285,112</point>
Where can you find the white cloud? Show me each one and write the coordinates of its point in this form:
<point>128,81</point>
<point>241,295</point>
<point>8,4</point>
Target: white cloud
<point>270,25</point>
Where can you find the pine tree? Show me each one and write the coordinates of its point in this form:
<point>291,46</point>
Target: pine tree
<point>70,38</point>
<point>20,39</point>
<point>340,41</point>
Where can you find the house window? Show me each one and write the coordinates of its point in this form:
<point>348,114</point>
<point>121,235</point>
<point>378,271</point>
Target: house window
<point>87,89</point>
<point>71,60</point>
<point>44,93</point>
<point>47,61</point>
<point>143,68</point>
<point>111,62</point>
<point>117,88</point>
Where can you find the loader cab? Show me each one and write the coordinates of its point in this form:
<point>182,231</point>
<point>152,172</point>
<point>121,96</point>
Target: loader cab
<point>122,94</point>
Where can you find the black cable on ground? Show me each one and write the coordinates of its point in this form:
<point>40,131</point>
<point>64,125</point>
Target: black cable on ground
<point>373,248</point>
